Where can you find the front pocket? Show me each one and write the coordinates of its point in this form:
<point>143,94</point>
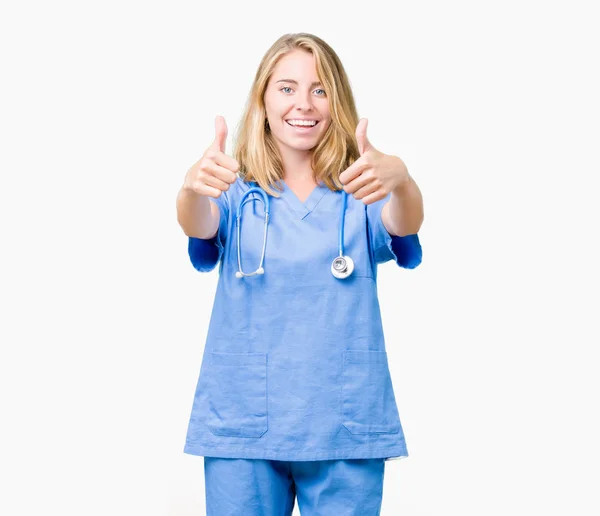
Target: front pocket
<point>368,402</point>
<point>237,395</point>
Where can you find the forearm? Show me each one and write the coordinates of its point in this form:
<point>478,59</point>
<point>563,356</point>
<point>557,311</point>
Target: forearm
<point>403,214</point>
<point>195,216</point>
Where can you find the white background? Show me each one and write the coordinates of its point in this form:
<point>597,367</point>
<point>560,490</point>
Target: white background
<point>493,106</point>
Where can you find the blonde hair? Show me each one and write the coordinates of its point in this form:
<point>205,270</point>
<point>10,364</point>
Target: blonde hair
<point>254,147</point>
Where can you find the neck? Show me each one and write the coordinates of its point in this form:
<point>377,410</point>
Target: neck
<point>297,166</point>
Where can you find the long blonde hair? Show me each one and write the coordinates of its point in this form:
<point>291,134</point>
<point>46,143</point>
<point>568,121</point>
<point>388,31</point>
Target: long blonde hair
<point>254,147</point>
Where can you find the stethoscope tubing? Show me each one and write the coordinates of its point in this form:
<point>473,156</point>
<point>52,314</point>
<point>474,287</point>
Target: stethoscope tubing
<point>341,267</point>
<point>267,209</point>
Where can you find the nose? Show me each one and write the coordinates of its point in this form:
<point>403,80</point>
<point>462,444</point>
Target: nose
<point>304,101</point>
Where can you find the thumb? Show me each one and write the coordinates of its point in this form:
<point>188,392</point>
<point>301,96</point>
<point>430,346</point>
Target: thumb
<point>361,136</point>
<point>220,134</point>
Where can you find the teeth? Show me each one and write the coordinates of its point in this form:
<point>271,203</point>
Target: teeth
<point>306,123</point>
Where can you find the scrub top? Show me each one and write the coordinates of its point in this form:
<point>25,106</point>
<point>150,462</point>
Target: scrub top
<point>295,366</point>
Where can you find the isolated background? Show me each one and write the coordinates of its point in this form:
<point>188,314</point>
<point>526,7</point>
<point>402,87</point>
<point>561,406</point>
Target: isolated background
<point>494,108</point>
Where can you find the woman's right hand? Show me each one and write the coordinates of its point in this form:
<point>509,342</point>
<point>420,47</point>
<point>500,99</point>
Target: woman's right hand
<point>215,171</point>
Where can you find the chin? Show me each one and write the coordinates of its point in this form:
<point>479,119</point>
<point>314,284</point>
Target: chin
<point>306,147</point>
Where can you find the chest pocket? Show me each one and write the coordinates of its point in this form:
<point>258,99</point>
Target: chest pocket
<point>237,394</point>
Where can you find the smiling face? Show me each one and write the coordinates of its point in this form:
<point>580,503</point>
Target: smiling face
<point>295,94</point>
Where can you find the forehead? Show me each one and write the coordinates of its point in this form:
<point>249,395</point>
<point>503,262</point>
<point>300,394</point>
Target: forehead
<point>298,65</point>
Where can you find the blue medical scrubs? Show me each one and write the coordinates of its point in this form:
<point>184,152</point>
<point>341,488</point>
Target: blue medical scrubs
<point>295,365</point>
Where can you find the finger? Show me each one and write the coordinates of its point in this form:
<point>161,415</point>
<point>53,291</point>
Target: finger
<point>223,174</point>
<point>361,136</point>
<point>374,197</point>
<point>200,187</point>
<point>357,183</point>
<point>366,190</point>
<point>353,171</point>
<point>215,182</point>
<point>210,191</point>
<point>227,162</point>
<point>220,134</point>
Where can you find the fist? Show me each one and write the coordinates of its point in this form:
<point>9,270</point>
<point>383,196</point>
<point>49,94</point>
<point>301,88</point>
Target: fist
<point>215,171</point>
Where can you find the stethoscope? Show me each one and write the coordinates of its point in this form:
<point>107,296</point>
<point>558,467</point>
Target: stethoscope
<point>341,267</point>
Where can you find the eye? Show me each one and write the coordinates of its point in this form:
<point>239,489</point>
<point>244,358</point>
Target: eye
<point>288,88</point>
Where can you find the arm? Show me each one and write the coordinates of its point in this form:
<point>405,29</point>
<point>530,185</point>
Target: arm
<point>197,216</point>
<point>403,214</point>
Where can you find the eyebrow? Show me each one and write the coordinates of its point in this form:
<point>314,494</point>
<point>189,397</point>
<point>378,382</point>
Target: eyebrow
<point>316,83</point>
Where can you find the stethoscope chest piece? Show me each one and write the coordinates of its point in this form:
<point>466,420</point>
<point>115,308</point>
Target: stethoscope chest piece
<point>342,267</point>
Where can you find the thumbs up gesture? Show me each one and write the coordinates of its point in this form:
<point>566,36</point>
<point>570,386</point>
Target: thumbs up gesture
<point>372,176</point>
<point>215,171</point>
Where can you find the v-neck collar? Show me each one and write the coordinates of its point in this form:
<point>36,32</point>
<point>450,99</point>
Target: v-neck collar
<point>303,208</point>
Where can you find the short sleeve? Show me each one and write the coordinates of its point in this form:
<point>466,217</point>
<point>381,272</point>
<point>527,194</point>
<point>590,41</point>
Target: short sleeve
<point>404,250</point>
<point>206,253</point>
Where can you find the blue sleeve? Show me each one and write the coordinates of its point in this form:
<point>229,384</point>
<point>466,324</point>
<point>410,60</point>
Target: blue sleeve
<point>404,250</point>
<point>206,253</point>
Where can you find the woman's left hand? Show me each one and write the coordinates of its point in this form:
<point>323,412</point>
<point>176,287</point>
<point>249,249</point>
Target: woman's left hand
<point>372,176</point>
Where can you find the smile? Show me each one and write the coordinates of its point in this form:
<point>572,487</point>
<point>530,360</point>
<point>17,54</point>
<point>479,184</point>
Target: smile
<point>303,128</point>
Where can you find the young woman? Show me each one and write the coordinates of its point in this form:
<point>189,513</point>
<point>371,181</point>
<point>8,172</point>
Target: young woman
<point>294,397</point>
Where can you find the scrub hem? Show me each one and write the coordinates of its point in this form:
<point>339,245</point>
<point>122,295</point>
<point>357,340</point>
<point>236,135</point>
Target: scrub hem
<point>211,451</point>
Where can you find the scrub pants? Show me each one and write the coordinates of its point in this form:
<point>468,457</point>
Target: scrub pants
<point>256,487</point>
